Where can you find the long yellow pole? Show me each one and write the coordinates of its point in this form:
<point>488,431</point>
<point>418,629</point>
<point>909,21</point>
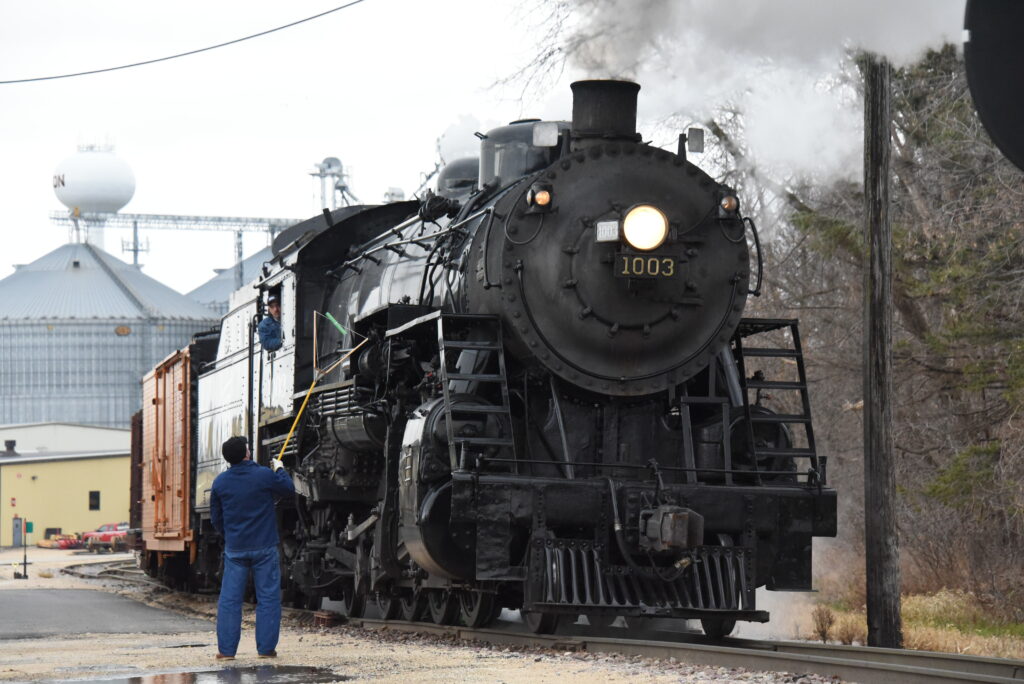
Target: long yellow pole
<point>309,393</point>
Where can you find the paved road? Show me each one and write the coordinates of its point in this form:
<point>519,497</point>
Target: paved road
<point>35,613</point>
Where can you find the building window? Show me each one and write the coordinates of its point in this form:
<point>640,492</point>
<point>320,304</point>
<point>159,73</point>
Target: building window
<point>94,501</point>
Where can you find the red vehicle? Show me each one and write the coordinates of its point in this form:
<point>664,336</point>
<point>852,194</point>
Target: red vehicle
<point>110,536</point>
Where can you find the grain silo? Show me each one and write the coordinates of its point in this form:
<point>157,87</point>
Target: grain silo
<point>78,329</point>
<point>215,293</point>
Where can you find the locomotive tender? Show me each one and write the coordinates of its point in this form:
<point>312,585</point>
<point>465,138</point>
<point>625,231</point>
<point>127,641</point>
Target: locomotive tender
<point>528,390</point>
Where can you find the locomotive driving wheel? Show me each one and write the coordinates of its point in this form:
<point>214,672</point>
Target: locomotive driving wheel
<point>476,608</point>
<point>354,602</point>
<point>389,605</point>
<point>540,623</point>
<point>414,605</point>
<point>444,606</point>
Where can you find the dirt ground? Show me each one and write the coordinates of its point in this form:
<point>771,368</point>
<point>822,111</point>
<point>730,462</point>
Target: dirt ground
<point>353,654</point>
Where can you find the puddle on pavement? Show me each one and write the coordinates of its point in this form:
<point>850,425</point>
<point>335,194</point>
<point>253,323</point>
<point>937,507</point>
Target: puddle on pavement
<point>262,674</point>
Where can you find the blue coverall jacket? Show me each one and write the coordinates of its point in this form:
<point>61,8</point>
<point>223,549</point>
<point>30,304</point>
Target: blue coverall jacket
<point>271,337</point>
<point>242,505</point>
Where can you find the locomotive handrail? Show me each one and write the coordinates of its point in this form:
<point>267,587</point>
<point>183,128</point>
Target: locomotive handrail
<point>419,241</point>
<point>812,474</point>
<point>470,218</point>
<point>391,245</point>
<point>487,248</point>
<point>756,290</point>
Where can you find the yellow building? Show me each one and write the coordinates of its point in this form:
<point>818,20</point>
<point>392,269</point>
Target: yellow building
<point>73,492</point>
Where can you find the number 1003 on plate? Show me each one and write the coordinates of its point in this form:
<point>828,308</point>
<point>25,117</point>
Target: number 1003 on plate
<point>644,266</point>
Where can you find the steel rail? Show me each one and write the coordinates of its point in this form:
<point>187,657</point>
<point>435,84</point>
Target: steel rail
<point>851,663</point>
<point>979,665</point>
<point>122,570</point>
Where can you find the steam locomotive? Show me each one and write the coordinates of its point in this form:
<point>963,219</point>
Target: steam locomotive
<point>533,389</point>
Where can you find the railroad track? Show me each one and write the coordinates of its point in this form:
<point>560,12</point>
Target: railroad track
<point>123,570</point>
<point>851,663</point>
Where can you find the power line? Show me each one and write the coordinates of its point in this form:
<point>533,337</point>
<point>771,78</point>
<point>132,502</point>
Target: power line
<point>184,54</point>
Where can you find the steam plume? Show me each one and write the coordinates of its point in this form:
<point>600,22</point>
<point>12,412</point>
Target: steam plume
<point>776,60</point>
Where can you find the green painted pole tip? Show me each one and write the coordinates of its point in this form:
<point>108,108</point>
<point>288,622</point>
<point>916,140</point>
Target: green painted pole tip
<point>337,325</point>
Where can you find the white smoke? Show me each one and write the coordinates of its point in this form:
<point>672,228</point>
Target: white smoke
<point>622,38</point>
<point>790,616</point>
<point>458,139</point>
<point>776,61</point>
<point>798,125</point>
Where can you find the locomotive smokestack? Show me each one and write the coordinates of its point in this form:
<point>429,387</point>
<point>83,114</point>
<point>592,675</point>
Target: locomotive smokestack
<point>604,110</point>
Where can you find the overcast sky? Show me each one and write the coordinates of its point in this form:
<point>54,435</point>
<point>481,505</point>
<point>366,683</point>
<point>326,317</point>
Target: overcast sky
<point>235,131</point>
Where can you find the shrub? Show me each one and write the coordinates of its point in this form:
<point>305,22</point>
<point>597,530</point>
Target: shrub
<point>823,618</point>
<point>851,628</point>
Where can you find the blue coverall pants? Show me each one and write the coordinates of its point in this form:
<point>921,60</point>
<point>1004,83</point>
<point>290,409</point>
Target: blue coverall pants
<point>266,572</point>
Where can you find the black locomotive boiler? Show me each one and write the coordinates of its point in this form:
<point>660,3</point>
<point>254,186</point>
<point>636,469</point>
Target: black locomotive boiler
<point>534,389</point>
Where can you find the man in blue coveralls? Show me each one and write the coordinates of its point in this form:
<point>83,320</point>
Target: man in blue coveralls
<point>242,510</point>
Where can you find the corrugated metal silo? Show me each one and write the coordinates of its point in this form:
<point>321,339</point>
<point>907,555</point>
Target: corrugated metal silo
<point>78,330</point>
<point>214,293</point>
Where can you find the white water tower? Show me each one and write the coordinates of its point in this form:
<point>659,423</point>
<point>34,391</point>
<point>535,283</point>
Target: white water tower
<point>94,181</point>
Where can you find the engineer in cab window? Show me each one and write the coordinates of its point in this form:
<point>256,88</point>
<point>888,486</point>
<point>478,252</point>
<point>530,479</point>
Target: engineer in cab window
<point>269,328</point>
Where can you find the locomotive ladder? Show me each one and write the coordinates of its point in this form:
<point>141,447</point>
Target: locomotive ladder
<point>451,328</point>
<point>753,326</point>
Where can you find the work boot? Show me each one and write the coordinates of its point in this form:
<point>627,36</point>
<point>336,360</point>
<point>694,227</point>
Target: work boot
<point>272,654</point>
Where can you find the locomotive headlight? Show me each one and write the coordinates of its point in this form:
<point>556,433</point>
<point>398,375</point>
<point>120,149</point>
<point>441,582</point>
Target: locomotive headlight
<point>538,198</point>
<point>645,227</point>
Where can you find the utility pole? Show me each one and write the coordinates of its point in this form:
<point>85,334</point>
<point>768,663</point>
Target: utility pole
<point>881,540</point>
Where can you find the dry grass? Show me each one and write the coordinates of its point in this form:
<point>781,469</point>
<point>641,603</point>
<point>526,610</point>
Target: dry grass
<point>851,628</point>
<point>946,621</point>
<point>954,641</point>
<point>44,574</point>
<point>945,608</point>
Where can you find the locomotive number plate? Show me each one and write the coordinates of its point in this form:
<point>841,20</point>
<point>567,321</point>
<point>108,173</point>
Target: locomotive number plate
<point>640,266</point>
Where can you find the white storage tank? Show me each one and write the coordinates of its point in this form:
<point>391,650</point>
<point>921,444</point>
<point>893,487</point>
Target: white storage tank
<point>94,181</point>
